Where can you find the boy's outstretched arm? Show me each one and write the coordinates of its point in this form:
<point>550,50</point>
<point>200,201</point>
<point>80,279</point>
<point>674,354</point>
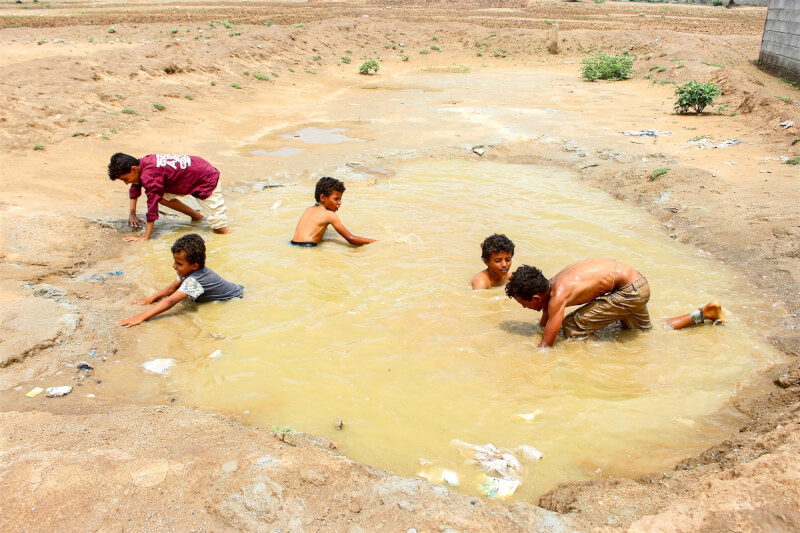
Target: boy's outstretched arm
<point>349,237</point>
<point>133,220</point>
<point>157,309</point>
<point>163,293</point>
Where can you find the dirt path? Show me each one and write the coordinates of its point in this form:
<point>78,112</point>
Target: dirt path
<point>147,463</point>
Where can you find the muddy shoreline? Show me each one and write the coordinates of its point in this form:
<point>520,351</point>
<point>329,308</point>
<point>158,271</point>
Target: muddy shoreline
<point>168,465</point>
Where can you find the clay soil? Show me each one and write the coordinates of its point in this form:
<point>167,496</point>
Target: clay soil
<point>79,83</point>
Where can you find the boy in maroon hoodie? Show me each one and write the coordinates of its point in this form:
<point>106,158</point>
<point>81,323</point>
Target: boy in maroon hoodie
<point>165,178</point>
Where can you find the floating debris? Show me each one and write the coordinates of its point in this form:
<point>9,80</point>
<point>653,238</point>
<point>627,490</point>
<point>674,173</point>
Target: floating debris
<point>530,416</point>
<point>34,392</point>
<point>498,488</point>
<point>216,354</point>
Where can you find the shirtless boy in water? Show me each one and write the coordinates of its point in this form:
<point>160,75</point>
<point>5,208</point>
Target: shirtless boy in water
<point>496,252</point>
<point>608,291</point>
<point>315,219</point>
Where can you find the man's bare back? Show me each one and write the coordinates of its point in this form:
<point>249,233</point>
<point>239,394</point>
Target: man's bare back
<point>584,281</point>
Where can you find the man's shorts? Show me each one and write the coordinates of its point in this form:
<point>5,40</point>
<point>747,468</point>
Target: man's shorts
<point>627,304</point>
<point>213,207</point>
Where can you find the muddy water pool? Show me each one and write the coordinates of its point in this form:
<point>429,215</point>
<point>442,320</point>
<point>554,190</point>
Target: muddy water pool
<point>388,337</point>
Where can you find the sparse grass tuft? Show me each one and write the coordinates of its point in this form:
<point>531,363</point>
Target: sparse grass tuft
<point>658,172</point>
<point>38,147</point>
<point>793,161</point>
<point>128,111</point>
<point>188,96</point>
<point>236,86</point>
<point>262,77</point>
<point>346,60</point>
<point>785,99</point>
<point>159,107</point>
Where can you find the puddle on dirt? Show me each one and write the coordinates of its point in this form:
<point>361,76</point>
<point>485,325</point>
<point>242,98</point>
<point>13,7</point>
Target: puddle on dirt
<point>388,337</point>
<point>313,135</point>
<point>280,152</point>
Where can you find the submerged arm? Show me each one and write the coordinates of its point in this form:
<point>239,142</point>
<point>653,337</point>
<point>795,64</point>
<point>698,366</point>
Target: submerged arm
<point>555,317</point>
<point>349,237</point>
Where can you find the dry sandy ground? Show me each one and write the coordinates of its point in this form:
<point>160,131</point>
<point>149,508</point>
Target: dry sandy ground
<point>147,463</point>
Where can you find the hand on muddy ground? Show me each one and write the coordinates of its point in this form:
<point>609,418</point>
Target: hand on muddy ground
<point>134,221</point>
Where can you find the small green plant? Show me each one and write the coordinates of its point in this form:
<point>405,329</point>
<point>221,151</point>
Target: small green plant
<point>79,134</point>
<point>261,77</point>
<point>605,67</point>
<point>436,48</point>
<point>236,86</point>
<point>188,96</point>
<point>434,38</point>
<point>113,130</point>
<point>424,52</point>
<point>119,96</point>
<point>548,22</point>
<point>290,69</point>
<point>784,99</point>
<point>317,58</point>
<point>793,161</point>
<point>663,54</point>
<point>678,59</point>
<point>346,60</point>
<point>716,3</point>
<point>81,119</point>
<point>661,69</point>
<point>213,83</point>
<point>128,111</point>
<point>658,172</point>
<point>246,73</point>
<point>174,30</point>
<point>500,53</point>
<point>599,1</point>
<point>695,96</point>
<point>38,147</point>
<point>368,65</point>
<point>159,107</point>
<point>404,57</point>
<point>712,64</point>
<point>795,140</point>
<point>274,74</point>
<point>282,431</point>
<point>112,30</point>
<point>226,23</point>
<point>307,71</point>
<point>348,51</point>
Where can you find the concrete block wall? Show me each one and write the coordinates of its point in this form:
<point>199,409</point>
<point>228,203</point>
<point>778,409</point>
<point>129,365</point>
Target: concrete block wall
<point>780,45</point>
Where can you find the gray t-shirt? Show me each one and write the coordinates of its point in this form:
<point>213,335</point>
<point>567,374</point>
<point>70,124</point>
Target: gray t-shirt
<point>205,285</point>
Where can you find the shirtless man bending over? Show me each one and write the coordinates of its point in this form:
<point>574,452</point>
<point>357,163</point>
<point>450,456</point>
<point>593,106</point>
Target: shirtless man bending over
<point>608,291</point>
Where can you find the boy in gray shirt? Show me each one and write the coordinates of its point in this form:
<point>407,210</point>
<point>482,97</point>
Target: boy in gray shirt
<point>195,281</point>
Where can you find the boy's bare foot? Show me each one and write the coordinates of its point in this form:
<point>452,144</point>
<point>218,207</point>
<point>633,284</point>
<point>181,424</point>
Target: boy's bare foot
<point>713,311</point>
<point>222,230</point>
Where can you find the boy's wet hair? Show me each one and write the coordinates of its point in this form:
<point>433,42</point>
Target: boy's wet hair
<point>494,244</point>
<point>326,186</point>
<point>194,248</point>
<point>120,165</point>
<point>526,282</point>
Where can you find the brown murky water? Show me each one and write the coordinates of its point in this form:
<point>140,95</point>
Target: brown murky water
<point>388,337</point>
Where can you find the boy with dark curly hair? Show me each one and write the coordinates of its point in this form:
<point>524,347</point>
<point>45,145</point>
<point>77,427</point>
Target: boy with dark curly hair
<point>165,178</point>
<point>496,252</point>
<point>315,219</point>
<point>608,291</point>
<point>195,281</point>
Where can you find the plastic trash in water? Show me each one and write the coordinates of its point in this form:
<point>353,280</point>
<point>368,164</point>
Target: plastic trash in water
<point>158,366</point>
<point>529,452</point>
<point>530,416</point>
<point>55,392</point>
<point>489,458</point>
<point>439,475</point>
<point>216,354</point>
<point>495,487</point>
<point>34,392</point>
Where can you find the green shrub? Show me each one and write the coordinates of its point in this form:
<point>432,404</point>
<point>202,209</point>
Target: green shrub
<point>346,59</point>
<point>695,96</point>
<point>793,161</point>
<point>368,65</point>
<point>159,107</point>
<point>38,147</point>
<point>604,67</point>
<point>129,111</point>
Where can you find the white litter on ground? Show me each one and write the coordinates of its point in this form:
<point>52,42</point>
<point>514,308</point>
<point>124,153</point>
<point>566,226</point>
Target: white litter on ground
<point>55,392</point>
<point>158,366</point>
